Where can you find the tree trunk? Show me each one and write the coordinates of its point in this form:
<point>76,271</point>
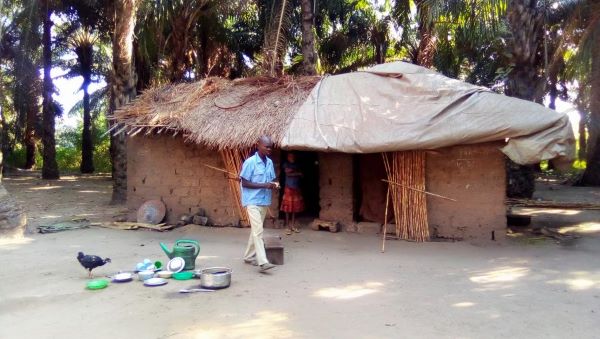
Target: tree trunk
<point>591,176</point>
<point>30,138</point>
<point>526,27</point>
<point>582,137</point>
<point>426,50</point>
<point>309,55</point>
<point>179,45</point>
<point>427,40</point>
<point>50,167</point>
<point>84,48</point>
<point>122,90</point>
<point>87,145</point>
<point>553,92</point>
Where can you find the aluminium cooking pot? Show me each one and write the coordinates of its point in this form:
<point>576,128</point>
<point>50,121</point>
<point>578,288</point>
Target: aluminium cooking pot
<point>215,277</point>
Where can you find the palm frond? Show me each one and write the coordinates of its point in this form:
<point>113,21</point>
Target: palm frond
<point>96,102</point>
<point>478,19</point>
<point>275,40</point>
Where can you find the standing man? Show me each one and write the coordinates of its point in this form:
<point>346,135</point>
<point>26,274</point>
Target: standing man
<point>257,177</point>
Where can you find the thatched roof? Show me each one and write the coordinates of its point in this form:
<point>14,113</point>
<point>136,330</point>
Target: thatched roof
<point>217,112</point>
<point>386,108</point>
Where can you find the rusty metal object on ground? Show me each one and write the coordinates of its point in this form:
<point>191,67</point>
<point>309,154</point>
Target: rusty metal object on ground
<point>151,212</point>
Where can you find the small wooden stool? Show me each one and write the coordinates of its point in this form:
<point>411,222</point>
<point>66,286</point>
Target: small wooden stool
<point>274,249</point>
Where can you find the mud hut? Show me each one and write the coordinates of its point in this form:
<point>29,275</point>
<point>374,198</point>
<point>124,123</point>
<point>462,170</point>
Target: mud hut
<point>368,142</point>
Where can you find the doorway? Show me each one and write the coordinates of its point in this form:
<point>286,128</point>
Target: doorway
<point>369,189</point>
<point>308,164</point>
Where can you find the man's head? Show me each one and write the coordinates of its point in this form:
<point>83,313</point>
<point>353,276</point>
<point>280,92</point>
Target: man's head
<point>264,145</point>
<point>291,157</point>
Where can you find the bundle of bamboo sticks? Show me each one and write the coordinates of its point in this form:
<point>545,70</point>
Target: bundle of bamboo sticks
<point>233,160</point>
<point>409,205</point>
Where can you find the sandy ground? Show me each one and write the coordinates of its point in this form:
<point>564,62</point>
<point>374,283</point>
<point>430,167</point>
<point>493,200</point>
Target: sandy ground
<point>331,286</point>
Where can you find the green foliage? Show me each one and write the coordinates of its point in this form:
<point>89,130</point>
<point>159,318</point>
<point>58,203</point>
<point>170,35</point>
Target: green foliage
<point>579,164</point>
<point>16,158</point>
<point>68,147</point>
<point>350,34</point>
<point>68,150</point>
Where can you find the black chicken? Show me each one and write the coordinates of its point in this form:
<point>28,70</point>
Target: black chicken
<point>89,262</point>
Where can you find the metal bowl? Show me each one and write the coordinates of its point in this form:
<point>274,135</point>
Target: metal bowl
<point>215,277</point>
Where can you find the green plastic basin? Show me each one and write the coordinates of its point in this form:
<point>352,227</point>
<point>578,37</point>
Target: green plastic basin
<point>97,284</point>
<point>185,275</point>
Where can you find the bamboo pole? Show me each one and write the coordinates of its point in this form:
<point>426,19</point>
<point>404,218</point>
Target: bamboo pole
<point>220,169</point>
<point>387,202</point>
<point>233,160</point>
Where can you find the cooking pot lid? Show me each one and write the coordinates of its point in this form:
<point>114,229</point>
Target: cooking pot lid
<point>176,264</point>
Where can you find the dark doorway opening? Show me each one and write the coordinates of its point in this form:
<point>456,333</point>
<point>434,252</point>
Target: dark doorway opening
<point>308,164</point>
<point>369,189</point>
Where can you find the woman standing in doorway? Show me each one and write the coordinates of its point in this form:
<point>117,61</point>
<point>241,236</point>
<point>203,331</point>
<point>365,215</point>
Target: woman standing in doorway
<point>292,201</point>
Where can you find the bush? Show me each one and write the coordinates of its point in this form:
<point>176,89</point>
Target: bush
<point>68,150</point>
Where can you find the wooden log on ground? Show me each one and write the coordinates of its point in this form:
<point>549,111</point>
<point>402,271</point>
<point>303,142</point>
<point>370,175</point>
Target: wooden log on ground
<point>552,204</point>
<point>331,226</point>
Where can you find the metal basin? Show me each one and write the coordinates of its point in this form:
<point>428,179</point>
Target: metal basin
<point>215,277</point>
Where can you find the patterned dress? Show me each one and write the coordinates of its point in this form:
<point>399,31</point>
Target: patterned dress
<point>292,201</point>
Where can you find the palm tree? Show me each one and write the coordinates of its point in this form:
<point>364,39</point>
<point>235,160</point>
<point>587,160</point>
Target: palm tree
<point>122,87</point>
<point>586,17</point>
<point>49,107</point>
<point>12,216</point>
<point>351,34</point>
<point>83,44</point>
<point>427,23</point>
<point>27,84</point>
<point>277,20</point>
<point>526,22</point>
<point>309,54</point>
<point>578,37</point>
<point>185,39</point>
<point>173,25</point>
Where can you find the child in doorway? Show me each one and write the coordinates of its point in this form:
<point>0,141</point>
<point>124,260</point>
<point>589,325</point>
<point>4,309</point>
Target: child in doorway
<point>292,201</point>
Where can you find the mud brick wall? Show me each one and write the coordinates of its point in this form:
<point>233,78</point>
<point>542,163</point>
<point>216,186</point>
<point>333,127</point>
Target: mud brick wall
<point>166,168</point>
<point>336,190</point>
<point>475,176</point>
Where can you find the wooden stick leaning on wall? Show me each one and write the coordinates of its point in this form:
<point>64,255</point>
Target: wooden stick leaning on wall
<point>387,202</point>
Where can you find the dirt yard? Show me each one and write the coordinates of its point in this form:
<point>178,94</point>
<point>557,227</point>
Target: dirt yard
<point>331,286</point>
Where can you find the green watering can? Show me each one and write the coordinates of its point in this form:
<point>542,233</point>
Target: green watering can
<point>187,249</point>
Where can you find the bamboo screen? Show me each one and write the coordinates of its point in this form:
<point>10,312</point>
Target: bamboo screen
<point>233,160</point>
<point>407,169</point>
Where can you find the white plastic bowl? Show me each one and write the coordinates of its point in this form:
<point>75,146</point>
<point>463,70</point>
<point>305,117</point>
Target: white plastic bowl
<point>164,274</point>
<point>145,275</point>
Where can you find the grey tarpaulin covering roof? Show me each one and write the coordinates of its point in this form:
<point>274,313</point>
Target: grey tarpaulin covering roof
<point>399,106</point>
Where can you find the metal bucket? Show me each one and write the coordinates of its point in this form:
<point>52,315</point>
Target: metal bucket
<point>215,277</point>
